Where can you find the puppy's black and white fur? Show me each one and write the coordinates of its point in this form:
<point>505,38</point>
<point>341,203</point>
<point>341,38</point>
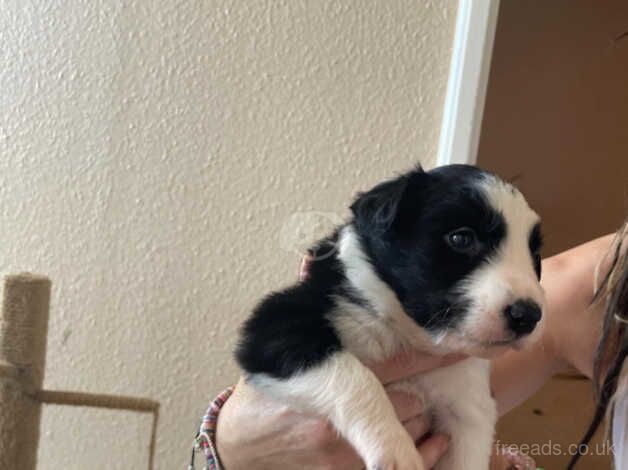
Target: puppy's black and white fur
<point>445,261</point>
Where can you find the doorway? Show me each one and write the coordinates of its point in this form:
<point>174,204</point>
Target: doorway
<point>556,123</point>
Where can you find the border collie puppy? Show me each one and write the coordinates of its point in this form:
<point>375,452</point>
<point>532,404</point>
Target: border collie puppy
<point>444,261</point>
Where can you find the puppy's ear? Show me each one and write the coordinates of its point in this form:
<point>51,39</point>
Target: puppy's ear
<point>388,206</point>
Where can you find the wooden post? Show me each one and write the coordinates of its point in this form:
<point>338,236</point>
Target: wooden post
<point>23,335</point>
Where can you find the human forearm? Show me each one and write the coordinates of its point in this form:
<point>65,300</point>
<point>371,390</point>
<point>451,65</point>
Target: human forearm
<point>517,375</point>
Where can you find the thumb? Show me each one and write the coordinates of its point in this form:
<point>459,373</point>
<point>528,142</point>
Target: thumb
<point>409,363</point>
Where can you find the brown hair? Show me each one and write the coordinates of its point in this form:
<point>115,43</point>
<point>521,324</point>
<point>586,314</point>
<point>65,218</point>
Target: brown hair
<point>613,346</point>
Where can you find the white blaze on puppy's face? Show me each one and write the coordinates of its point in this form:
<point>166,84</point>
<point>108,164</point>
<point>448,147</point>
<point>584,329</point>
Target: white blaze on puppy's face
<point>506,277</point>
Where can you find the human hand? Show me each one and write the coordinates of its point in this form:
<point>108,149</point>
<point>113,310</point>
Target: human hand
<point>254,431</point>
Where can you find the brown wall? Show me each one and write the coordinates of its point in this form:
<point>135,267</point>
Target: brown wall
<point>556,122</point>
<point>556,116</point>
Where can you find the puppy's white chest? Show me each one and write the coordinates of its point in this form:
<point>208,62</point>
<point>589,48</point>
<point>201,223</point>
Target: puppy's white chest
<point>459,399</point>
<point>460,387</point>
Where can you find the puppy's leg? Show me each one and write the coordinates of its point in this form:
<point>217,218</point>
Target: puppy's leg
<point>347,393</point>
<point>471,438</point>
<point>459,397</point>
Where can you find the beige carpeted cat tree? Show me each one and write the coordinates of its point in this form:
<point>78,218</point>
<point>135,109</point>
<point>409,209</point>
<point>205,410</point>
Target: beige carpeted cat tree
<point>23,335</point>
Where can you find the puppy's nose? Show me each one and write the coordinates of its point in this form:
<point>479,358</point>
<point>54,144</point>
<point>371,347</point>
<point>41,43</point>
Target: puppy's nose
<point>522,316</point>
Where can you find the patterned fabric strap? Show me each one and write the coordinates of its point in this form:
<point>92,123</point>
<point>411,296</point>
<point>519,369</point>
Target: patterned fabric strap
<point>206,436</point>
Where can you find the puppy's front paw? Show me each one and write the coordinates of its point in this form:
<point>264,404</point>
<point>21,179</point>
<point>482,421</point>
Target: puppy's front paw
<point>400,454</point>
<point>507,458</point>
<point>399,464</point>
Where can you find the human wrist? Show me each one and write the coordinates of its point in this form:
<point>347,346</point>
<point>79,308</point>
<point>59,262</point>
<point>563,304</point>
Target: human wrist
<point>232,457</point>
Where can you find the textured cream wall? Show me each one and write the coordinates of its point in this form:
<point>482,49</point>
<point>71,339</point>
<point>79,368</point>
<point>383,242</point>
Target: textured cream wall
<point>151,151</point>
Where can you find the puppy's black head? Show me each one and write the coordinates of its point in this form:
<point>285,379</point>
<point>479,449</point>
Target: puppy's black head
<point>460,249</point>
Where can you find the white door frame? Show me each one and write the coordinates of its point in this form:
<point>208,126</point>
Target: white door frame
<point>468,77</point>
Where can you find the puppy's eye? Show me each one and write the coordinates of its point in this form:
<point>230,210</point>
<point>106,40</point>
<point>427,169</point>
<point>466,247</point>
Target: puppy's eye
<point>462,240</point>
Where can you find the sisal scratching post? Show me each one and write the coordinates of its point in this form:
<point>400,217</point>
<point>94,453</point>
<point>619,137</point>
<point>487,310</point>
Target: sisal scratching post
<point>23,332</point>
